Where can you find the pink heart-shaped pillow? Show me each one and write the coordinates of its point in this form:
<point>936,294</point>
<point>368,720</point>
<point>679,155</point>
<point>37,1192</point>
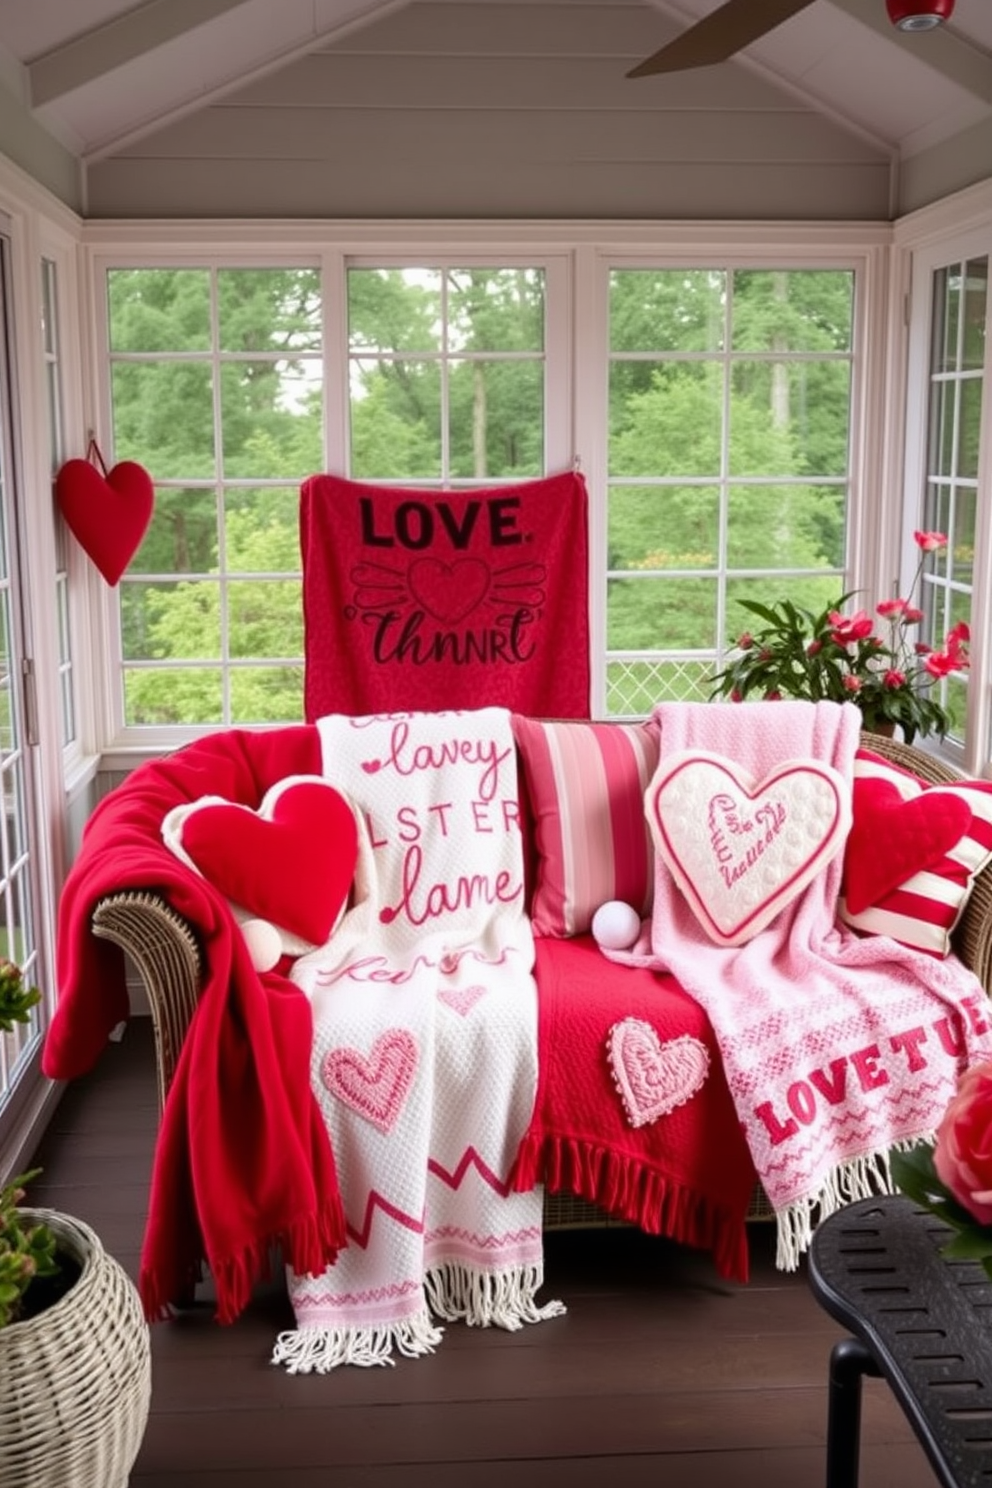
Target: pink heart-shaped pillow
<point>892,838</point>
<point>292,862</point>
<point>740,849</point>
<point>107,514</point>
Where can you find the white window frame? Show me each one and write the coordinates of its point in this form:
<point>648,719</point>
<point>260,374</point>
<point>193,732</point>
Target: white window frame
<point>951,232</point>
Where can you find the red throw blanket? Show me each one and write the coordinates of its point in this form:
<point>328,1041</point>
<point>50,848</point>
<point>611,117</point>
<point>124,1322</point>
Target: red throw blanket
<point>687,1173</point>
<point>242,1160</point>
<point>422,599</point>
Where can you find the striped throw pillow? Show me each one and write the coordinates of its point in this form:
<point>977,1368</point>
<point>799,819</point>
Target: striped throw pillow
<point>924,908</point>
<point>585,783</point>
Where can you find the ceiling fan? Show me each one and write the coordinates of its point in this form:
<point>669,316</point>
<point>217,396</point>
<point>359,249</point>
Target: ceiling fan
<point>736,23</point>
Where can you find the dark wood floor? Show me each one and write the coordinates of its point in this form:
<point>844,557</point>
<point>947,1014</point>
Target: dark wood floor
<point>660,1374</point>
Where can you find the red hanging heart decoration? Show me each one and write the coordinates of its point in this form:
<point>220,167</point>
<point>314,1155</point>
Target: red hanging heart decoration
<point>107,511</point>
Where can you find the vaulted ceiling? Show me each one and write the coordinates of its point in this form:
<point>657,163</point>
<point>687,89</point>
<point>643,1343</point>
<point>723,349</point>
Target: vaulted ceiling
<point>104,77</point>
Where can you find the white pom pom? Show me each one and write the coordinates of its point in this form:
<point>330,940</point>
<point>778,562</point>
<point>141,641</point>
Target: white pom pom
<point>264,943</point>
<point>616,925</point>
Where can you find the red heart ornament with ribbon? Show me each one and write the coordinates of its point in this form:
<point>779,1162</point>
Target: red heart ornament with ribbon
<point>107,511</point>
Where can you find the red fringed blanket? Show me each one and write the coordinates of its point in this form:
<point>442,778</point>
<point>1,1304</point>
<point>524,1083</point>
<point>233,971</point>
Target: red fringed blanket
<point>242,1160</point>
<point>633,1111</point>
<point>421,599</point>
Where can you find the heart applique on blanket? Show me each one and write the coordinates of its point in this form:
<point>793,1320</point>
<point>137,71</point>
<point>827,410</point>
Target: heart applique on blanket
<point>652,1077</point>
<point>741,850</point>
<point>377,1084</point>
<point>292,862</point>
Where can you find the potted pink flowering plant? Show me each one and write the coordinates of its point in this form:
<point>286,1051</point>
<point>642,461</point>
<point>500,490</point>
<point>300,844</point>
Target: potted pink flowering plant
<point>874,662</point>
<point>952,1176</point>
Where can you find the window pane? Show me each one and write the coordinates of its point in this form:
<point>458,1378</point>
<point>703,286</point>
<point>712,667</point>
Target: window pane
<point>165,621</point>
<point>667,310</point>
<point>175,695</point>
<point>495,309</point>
<point>159,309</point>
<point>497,419</point>
<point>666,418</point>
<point>271,418</point>
<point>634,687</point>
<point>182,534</point>
<point>395,420</point>
<point>269,310</point>
<point>394,310</point>
<point>265,619</point>
<point>784,310</point>
<point>163,418</point>
<point>655,614</point>
<point>663,527</point>
<point>788,419</point>
<point>785,526</point>
<point>267,694</point>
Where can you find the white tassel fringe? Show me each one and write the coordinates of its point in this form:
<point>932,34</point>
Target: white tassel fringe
<point>486,1299</point>
<point>861,1178</point>
<point>319,1350</point>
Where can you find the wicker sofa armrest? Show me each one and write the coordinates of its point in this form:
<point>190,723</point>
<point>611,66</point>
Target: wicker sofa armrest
<point>166,953</point>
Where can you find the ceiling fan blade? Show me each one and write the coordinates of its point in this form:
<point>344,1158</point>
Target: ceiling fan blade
<point>728,29</point>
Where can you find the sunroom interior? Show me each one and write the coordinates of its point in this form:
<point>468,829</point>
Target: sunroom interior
<point>451,243</point>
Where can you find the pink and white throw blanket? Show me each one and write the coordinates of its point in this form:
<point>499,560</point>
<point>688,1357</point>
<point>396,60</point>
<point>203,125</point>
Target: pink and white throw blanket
<point>835,1047</point>
<point>425,1045</point>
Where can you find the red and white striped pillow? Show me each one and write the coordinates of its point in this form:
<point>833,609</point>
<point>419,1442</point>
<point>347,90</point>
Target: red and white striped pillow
<point>923,909</point>
<point>585,783</point>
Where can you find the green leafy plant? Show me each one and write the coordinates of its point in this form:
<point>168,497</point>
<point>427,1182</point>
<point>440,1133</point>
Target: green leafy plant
<point>835,657</point>
<point>27,1246</point>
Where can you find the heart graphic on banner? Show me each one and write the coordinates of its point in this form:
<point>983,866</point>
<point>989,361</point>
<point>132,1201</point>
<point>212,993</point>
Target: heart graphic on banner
<point>652,1077</point>
<point>108,514</point>
<point>741,850</point>
<point>292,862</point>
<point>448,591</point>
<point>377,1084</point>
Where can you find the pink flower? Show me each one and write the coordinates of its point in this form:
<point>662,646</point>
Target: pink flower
<point>929,542</point>
<point>852,684</point>
<point>890,609</point>
<point>774,696</point>
<point>912,615</point>
<point>745,641</point>
<point>894,678</point>
<point>941,664</point>
<point>814,648</point>
<point>963,1149</point>
<point>736,696</point>
<point>922,649</point>
<point>847,628</point>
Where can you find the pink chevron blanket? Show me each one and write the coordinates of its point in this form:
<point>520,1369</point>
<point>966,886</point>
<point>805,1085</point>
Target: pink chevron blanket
<point>836,1048</point>
<point>424,1055</point>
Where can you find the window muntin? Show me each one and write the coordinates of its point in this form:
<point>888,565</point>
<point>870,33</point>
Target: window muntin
<point>730,397</point>
<point>51,358</point>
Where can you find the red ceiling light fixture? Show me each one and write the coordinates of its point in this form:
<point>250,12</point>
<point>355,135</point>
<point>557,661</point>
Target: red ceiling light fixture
<point>919,15</point>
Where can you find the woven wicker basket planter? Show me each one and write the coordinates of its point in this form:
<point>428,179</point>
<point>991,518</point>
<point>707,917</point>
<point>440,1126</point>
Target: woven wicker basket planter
<point>75,1380</point>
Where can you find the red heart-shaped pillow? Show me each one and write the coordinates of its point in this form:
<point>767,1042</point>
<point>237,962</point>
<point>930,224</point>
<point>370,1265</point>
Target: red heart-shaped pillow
<point>892,838</point>
<point>291,862</point>
<point>107,514</point>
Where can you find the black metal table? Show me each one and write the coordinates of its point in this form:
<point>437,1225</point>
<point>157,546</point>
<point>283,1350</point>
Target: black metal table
<point>921,1322</point>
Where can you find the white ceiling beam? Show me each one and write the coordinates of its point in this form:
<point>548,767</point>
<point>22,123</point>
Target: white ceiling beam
<point>943,49</point>
<point>94,53</point>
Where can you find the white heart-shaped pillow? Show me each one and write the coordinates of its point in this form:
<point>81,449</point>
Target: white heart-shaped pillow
<point>741,850</point>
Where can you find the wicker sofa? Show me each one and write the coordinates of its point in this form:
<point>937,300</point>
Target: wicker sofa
<point>164,949</point>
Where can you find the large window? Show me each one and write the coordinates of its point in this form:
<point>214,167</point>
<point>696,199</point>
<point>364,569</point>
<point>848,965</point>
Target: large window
<point>729,431</point>
<point>216,379</point>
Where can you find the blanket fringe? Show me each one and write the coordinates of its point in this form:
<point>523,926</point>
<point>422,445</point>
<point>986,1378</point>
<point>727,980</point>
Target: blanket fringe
<point>487,1299</point>
<point>629,1190</point>
<point>860,1178</point>
<point>319,1350</point>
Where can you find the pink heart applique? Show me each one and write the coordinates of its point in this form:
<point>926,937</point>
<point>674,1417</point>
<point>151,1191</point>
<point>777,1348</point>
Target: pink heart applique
<point>292,862</point>
<point>448,591</point>
<point>462,999</point>
<point>107,514</point>
<point>375,1086</point>
<point>654,1077</point>
<point>741,850</point>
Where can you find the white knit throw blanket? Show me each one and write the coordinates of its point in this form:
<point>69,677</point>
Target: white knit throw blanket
<point>836,1048</point>
<point>425,1045</point>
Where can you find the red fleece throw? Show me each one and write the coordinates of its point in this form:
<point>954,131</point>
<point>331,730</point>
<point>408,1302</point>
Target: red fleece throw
<point>242,1160</point>
<point>622,1117</point>
<point>419,599</point>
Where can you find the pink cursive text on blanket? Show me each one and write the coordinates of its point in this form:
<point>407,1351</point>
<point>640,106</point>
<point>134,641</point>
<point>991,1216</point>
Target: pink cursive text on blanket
<point>871,1068</point>
<point>408,760</point>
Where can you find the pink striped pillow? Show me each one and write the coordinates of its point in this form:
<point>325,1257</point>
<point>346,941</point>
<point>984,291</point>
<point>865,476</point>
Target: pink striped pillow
<point>586,783</point>
<point>923,910</point>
